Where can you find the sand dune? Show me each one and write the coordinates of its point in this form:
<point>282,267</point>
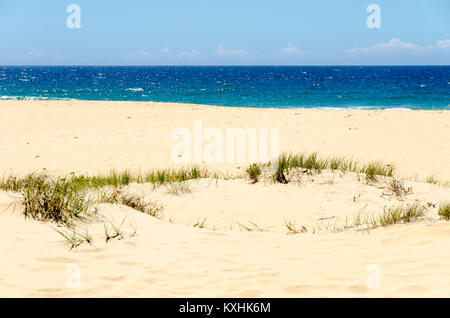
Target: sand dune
<point>170,260</point>
<point>169,257</point>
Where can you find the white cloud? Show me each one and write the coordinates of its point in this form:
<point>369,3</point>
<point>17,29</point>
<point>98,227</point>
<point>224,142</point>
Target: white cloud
<point>443,44</point>
<point>164,51</point>
<point>138,53</point>
<point>34,52</point>
<point>396,45</point>
<point>391,46</point>
<point>189,54</point>
<point>224,52</point>
<point>290,49</point>
<point>144,54</point>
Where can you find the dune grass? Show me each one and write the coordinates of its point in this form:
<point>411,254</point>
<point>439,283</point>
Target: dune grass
<point>52,199</point>
<point>281,167</point>
<point>373,170</point>
<point>115,231</point>
<point>156,177</point>
<point>200,224</point>
<point>178,188</point>
<point>390,216</point>
<point>398,188</point>
<point>119,196</point>
<point>432,180</point>
<point>312,163</point>
<point>292,228</point>
<point>14,183</point>
<point>254,172</point>
<point>444,211</point>
<point>75,239</point>
<point>61,199</point>
<point>253,228</point>
<point>401,214</point>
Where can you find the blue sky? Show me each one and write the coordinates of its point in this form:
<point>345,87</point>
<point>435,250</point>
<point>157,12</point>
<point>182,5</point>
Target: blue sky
<point>224,32</point>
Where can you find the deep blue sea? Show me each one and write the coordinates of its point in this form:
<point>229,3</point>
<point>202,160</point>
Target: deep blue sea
<point>366,87</point>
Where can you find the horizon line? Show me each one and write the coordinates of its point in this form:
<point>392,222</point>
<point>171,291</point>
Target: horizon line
<point>216,65</point>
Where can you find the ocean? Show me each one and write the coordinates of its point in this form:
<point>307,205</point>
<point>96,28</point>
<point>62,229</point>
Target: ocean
<point>356,87</point>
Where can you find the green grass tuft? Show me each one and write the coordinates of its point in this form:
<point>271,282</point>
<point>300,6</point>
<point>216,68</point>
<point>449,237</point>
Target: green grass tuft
<point>313,164</point>
<point>397,187</point>
<point>254,172</point>
<point>75,239</point>
<point>432,180</point>
<point>119,196</point>
<point>444,211</point>
<point>178,188</point>
<point>52,199</point>
<point>390,216</point>
<point>400,214</point>
<point>375,169</point>
<point>282,166</point>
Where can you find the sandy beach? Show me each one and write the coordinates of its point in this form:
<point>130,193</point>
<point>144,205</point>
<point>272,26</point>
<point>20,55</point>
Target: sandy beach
<point>226,237</point>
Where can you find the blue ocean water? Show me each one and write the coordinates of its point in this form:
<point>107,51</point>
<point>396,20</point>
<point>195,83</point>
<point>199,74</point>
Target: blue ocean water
<point>372,87</point>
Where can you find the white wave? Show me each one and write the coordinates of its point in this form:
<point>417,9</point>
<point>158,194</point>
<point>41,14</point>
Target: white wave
<point>351,108</point>
<point>8,97</point>
<point>398,108</point>
<point>138,89</point>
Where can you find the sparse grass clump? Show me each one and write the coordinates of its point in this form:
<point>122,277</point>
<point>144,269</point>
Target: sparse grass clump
<point>292,228</point>
<point>338,164</point>
<point>174,175</point>
<point>157,176</point>
<point>75,239</point>
<point>52,199</point>
<point>444,211</point>
<point>200,224</point>
<point>281,167</point>
<point>119,196</point>
<point>254,172</point>
<point>374,169</point>
<point>397,187</point>
<point>400,214</point>
<point>115,231</point>
<point>390,216</point>
<point>114,179</point>
<point>313,164</point>
<point>13,183</point>
<point>254,227</point>
<point>432,180</point>
<point>178,188</point>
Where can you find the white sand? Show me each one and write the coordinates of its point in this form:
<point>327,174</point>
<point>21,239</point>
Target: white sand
<point>171,258</point>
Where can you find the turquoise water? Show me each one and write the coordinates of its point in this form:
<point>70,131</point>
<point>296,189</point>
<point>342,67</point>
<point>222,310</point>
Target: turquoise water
<point>380,87</point>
